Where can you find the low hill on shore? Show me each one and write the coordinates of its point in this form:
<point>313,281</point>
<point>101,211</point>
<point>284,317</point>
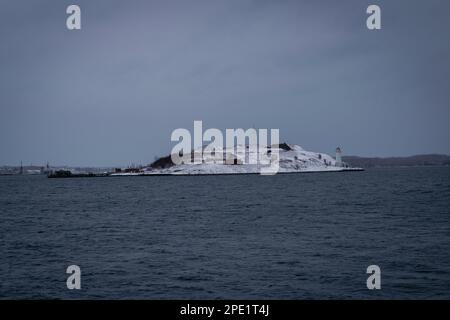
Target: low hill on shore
<point>417,160</point>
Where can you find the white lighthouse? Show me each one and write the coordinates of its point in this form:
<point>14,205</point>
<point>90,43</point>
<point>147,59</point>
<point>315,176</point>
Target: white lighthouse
<point>338,157</point>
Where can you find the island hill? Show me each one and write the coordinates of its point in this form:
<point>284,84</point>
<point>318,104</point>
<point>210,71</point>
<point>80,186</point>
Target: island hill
<point>292,159</point>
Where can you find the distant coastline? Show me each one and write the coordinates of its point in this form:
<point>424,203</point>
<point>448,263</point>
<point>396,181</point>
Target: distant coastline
<point>356,161</point>
<point>411,161</point>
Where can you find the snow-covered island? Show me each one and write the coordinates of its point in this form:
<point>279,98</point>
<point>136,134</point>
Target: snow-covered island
<point>292,159</point>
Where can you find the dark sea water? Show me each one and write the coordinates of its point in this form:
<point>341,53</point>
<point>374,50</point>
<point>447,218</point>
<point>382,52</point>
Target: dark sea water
<point>258,237</point>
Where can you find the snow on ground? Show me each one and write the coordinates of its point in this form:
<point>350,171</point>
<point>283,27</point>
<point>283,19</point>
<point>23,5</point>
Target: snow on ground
<point>290,161</point>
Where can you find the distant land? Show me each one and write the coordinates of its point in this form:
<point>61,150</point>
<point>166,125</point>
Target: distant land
<point>354,161</point>
<point>36,170</point>
<point>417,160</point>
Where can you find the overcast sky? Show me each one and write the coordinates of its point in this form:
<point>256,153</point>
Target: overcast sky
<point>112,92</point>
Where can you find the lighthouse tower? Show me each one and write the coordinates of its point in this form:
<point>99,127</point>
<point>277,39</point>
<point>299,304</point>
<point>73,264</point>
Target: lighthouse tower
<point>338,157</point>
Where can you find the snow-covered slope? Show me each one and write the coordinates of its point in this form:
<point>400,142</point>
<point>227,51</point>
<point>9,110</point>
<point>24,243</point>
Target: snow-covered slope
<point>292,158</point>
